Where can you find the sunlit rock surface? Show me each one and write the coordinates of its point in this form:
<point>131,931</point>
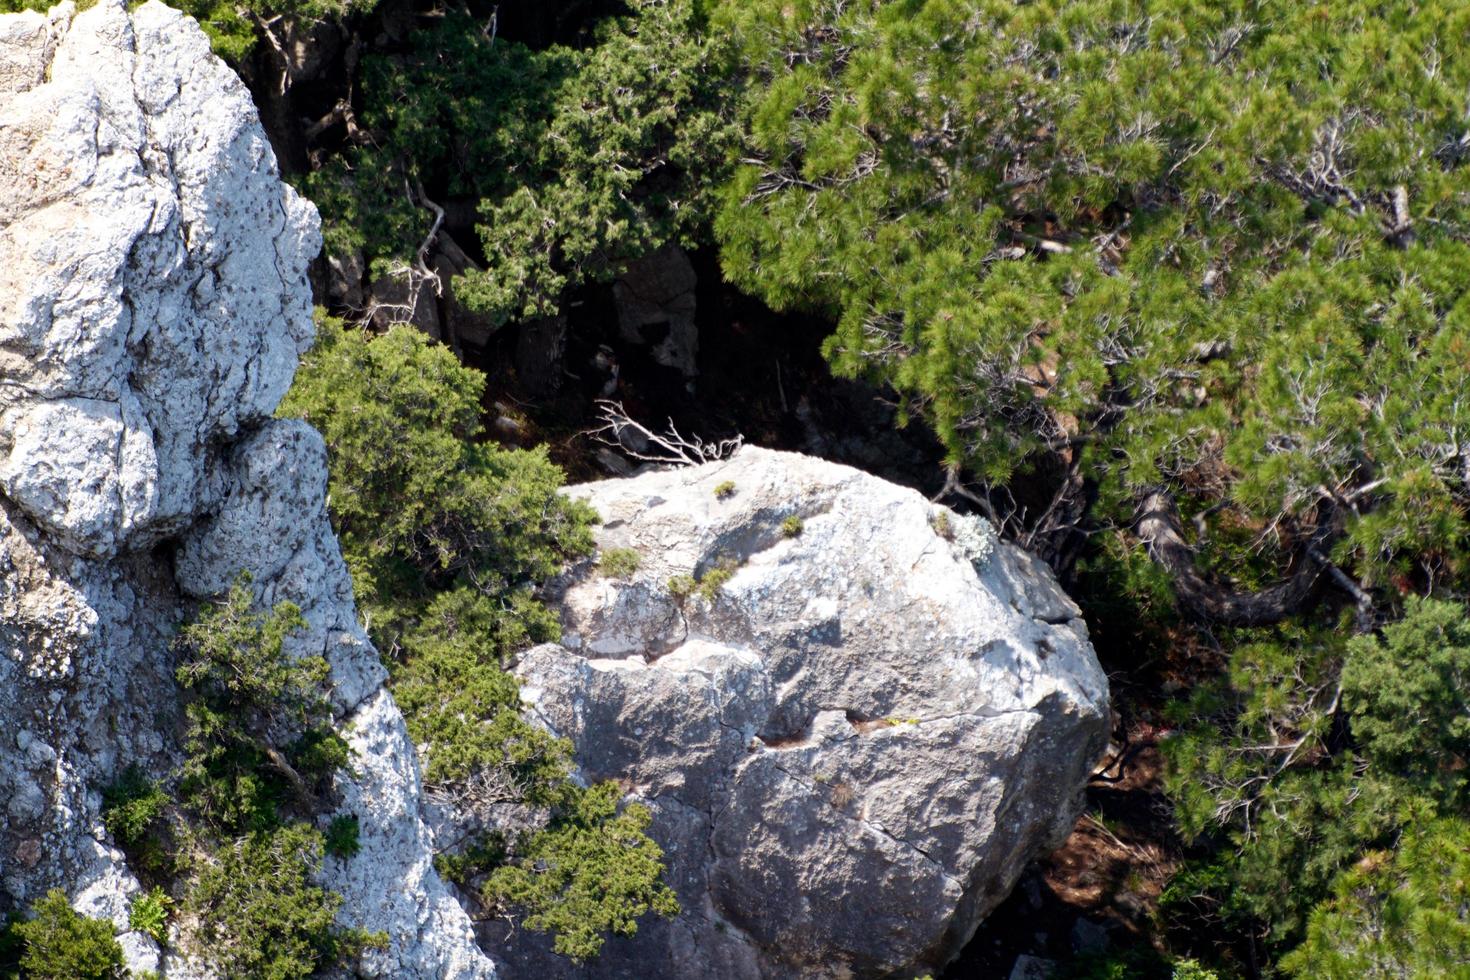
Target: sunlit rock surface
<point>852,747</point>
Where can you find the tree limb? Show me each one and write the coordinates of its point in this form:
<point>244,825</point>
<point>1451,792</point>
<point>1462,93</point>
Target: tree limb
<point>1159,528</point>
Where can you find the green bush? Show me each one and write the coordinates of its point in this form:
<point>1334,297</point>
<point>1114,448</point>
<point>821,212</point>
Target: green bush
<point>619,562</point>
<point>132,809</point>
<point>715,577</point>
<point>59,943</point>
<point>149,914</point>
<point>258,916</point>
<point>421,505</point>
<point>1399,913</point>
<point>1263,758</point>
<point>681,586</point>
<point>447,538</point>
<point>463,712</point>
<point>131,805</point>
<point>232,27</point>
<point>792,527</point>
<point>581,158</point>
<point>594,870</point>
<point>1409,697</point>
<point>245,697</point>
<point>341,838</point>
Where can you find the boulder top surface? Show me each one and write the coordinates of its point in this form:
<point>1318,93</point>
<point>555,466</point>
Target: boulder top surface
<point>856,714</point>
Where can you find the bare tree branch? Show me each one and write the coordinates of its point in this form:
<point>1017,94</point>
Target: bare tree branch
<point>668,448</point>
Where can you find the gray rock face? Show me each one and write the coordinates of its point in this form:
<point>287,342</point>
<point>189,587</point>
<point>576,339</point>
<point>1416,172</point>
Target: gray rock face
<point>852,747</point>
<point>655,301</point>
<point>153,303</point>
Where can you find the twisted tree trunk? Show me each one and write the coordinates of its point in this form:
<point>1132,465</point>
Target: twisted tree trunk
<point>1159,528</point>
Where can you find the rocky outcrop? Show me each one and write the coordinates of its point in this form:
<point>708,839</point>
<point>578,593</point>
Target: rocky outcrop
<point>153,303</point>
<point>853,734</point>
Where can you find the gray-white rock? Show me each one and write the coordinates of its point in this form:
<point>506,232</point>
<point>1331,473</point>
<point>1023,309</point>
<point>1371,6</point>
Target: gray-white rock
<point>852,749</point>
<point>153,304</point>
<point>1032,968</point>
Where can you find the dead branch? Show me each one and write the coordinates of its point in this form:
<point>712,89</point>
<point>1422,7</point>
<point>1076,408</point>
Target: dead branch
<point>1361,599</point>
<point>667,448</point>
<point>479,794</point>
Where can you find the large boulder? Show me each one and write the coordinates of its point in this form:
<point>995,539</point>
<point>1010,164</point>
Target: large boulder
<point>153,303</point>
<point>854,732</point>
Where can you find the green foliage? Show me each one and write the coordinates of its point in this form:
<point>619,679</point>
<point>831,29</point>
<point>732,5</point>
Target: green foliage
<point>1137,963</point>
<point>16,6</point>
<point>725,489</point>
<point>341,838</point>
<point>715,577</point>
<point>462,708</point>
<point>259,916</point>
<point>792,527</point>
<point>131,811</point>
<point>582,158</point>
<point>1211,248</point>
<point>708,585</point>
<point>59,943</point>
<point>592,871</point>
<point>1399,913</point>
<point>619,562</point>
<point>246,696</point>
<point>481,854</point>
<point>447,538</point>
<point>149,914</point>
<point>419,504</point>
<point>1409,695</point>
<point>1187,969</point>
<point>233,28</point>
<point>1260,758</point>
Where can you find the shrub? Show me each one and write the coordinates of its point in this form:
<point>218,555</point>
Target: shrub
<point>481,854</point>
<point>131,805</point>
<point>419,504</point>
<point>131,809</point>
<point>1395,914</point>
<point>725,490</point>
<point>619,562</point>
<point>462,708</point>
<point>682,586</point>
<point>792,526</point>
<point>149,914</point>
<point>593,870</point>
<point>59,943</point>
<point>244,695</point>
<point>581,158</point>
<point>447,538</point>
<point>715,577</point>
<point>1409,696</point>
<point>257,914</point>
<point>341,839</point>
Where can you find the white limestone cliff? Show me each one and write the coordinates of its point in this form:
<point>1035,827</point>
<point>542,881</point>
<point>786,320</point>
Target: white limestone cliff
<point>153,304</point>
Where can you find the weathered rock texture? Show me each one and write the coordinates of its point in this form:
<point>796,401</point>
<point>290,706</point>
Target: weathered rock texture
<point>655,301</point>
<point>853,748</point>
<point>153,303</point>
